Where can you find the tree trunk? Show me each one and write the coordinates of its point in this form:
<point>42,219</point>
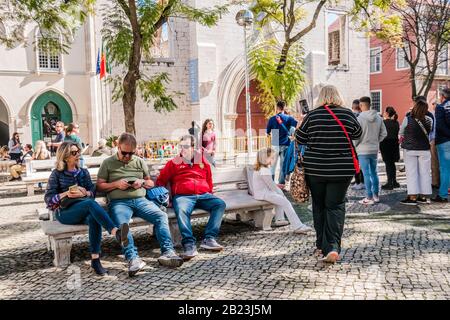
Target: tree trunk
<point>283,57</point>
<point>129,101</point>
<point>133,74</point>
<point>413,83</point>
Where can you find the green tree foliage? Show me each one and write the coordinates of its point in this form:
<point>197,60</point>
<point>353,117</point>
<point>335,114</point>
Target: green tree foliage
<point>57,21</point>
<point>130,29</point>
<point>277,62</point>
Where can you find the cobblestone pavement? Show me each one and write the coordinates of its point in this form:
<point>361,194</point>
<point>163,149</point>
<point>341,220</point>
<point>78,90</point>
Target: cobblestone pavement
<point>389,252</point>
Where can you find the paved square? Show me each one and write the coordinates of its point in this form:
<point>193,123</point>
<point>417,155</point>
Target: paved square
<point>389,252</point>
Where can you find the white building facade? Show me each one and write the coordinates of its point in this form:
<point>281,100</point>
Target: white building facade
<point>205,64</point>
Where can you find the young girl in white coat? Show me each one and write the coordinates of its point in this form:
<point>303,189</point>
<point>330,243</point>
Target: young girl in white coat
<point>264,188</point>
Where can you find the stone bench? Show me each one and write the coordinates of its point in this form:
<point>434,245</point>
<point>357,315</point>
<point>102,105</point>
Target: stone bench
<point>231,186</point>
<point>42,177</point>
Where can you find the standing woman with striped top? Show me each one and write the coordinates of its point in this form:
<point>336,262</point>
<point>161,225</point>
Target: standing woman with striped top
<point>329,163</point>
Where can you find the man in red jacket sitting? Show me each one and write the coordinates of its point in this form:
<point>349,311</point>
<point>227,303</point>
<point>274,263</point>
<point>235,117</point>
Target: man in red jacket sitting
<point>190,177</point>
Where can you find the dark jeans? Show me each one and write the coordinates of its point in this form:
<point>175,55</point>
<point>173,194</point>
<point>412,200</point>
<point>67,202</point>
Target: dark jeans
<point>184,205</point>
<point>91,213</point>
<point>15,156</point>
<point>328,201</point>
<point>391,171</point>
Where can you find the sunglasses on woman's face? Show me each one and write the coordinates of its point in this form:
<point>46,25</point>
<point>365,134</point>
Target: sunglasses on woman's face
<point>74,153</point>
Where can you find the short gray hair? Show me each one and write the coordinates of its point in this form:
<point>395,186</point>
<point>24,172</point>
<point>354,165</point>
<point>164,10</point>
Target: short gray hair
<point>446,93</point>
<point>129,139</point>
<point>102,143</point>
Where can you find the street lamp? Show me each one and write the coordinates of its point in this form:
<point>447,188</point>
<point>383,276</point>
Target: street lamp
<point>244,18</point>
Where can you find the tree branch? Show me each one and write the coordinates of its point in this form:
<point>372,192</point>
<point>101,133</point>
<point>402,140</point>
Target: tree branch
<point>299,35</point>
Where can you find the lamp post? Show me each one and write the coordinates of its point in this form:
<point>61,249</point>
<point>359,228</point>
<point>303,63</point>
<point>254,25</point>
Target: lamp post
<point>244,18</point>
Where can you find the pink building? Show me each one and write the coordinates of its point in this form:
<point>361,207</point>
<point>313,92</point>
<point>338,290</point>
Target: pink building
<point>390,80</point>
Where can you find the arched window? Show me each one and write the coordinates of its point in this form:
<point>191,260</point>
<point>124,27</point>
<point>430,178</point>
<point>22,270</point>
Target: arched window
<point>48,53</point>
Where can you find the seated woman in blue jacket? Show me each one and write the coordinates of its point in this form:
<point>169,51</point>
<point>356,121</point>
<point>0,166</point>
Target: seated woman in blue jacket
<point>71,193</point>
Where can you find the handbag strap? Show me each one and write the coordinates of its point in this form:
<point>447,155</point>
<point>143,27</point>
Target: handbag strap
<point>352,149</point>
<point>281,122</point>
<point>422,127</point>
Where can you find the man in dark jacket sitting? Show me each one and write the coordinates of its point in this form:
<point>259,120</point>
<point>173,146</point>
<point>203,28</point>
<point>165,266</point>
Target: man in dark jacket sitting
<point>190,177</point>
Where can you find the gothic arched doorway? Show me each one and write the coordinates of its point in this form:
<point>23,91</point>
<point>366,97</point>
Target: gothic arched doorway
<point>258,119</point>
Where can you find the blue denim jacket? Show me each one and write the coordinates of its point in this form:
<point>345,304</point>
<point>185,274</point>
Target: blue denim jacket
<point>60,181</point>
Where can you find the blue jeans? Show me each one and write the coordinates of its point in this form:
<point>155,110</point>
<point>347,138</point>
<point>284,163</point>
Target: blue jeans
<point>280,153</point>
<point>184,205</point>
<point>91,213</point>
<point>369,168</point>
<point>122,210</point>
<point>443,151</point>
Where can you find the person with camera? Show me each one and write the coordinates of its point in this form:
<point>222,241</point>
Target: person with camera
<point>125,178</point>
<point>71,194</point>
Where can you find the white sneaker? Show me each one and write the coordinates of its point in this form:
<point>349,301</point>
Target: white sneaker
<point>376,199</point>
<point>358,186</point>
<point>280,223</point>
<point>303,229</point>
<point>366,201</point>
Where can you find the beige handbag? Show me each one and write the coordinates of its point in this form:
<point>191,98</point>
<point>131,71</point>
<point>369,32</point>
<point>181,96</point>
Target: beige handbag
<point>299,189</point>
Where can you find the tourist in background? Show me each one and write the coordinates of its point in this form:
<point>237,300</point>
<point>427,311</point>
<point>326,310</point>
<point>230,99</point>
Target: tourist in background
<point>4,153</point>
<point>15,147</point>
<point>435,173</point>
<point>54,145</point>
<point>17,169</point>
<point>73,135</point>
<point>209,141</point>
<point>414,137</point>
<point>443,144</point>
<point>40,151</point>
<point>390,148</point>
<point>102,150</point>
<point>278,128</point>
<point>359,177</point>
<point>329,163</point>
<point>367,146</point>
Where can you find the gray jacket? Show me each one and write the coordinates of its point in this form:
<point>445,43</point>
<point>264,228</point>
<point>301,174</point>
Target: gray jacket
<point>374,131</point>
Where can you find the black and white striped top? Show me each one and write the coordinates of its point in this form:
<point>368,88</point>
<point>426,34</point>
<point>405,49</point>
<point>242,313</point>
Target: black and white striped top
<point>328,152</point>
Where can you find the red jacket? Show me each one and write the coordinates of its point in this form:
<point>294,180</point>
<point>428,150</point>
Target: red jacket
<point>187,179</point>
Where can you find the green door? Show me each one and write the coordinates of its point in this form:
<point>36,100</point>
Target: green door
<point>48,108</point>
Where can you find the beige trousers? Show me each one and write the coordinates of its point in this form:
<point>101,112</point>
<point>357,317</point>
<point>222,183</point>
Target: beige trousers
<point>16,170</point>
<point>435,181</point>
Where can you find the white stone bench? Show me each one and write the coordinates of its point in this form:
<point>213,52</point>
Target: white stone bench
<point>47,165</point>
<point>230,185</point>
<point>42,177</point>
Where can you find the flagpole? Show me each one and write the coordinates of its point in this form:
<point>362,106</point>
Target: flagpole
<point>106,110</point>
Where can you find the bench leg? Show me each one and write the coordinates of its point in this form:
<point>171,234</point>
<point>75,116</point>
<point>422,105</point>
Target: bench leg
<point>175,232</point>
<point>263,219</point>
<point>61,251</point>
<point>30,190</point>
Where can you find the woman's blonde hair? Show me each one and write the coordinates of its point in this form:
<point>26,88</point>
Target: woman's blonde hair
<point>63,153</point>
<point>4,151</point>
<point>261,158</point>
<point>329,95</point>
<point>41,152</point>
